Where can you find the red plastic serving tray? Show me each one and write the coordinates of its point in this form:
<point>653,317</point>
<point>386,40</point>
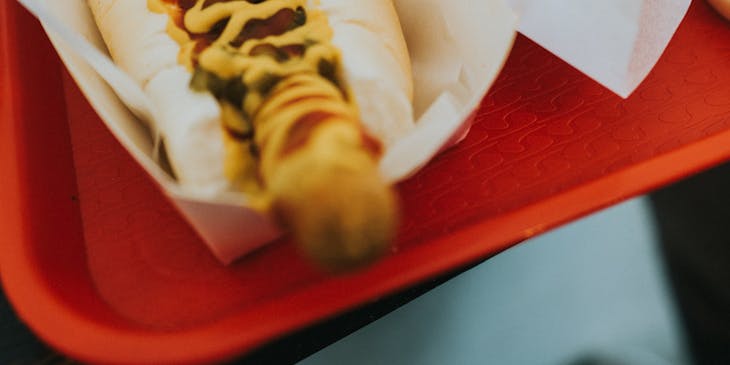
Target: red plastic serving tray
<point>101,267</point>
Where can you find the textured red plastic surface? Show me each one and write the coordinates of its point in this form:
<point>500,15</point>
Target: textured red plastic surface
<point>100,265</point>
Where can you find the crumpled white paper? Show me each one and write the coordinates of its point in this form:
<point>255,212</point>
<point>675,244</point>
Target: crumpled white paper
<point>615,42</point>
<point>455,54</point>
<point>457,48</point>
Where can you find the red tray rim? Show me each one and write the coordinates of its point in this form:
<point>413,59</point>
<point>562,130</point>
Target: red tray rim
<point>52,320</point>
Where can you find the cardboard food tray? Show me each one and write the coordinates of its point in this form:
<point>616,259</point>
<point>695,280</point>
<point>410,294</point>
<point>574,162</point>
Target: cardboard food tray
<point>101,267</point>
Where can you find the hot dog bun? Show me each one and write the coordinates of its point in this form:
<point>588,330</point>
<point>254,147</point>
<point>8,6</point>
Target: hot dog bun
<point>188,122</point>
<point>377,65</point>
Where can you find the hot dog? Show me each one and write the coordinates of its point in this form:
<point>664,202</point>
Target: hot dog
<point>289,101</point>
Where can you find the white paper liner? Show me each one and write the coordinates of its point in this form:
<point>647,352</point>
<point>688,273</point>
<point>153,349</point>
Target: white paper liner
<point>615,42</point>
<point>457,50</point>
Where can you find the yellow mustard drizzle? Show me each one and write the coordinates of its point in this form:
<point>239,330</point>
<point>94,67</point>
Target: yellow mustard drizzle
<point>280,114</point>
<point>274,112</point>
<point>307,160</point>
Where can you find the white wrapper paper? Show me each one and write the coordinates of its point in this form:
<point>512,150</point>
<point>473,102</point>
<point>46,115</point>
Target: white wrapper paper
<point>615,42</point>
<point>457,49</point>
